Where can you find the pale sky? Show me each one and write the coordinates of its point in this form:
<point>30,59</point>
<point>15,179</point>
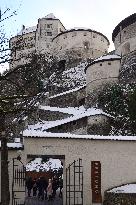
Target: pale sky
<point>99,15</point>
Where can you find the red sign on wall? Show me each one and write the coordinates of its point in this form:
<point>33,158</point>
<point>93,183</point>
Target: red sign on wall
<point>96,181</point>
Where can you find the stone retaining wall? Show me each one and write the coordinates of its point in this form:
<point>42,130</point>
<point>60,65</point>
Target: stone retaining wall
<point>111,198</point>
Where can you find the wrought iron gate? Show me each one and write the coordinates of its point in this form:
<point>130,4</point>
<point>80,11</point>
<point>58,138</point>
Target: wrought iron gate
<point>74,183</point>
<point>18,182</point>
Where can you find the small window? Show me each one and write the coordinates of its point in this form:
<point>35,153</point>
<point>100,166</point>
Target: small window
<point>49,33</point>
<point>86,45</point>
<point>100,64</point>
<point>124,32</point>
<point>102,39</point>
<point>65,36</point>
<point>85,34</point>
<point>49,25</point>
<point>73,34</point>
<point>94,35</point>
<point>109,63</point>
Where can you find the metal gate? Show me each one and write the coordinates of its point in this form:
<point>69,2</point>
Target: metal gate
<point>18,182</point>
<point>74,183</point>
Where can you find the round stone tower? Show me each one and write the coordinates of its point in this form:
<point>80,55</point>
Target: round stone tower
<point>124,35</point>
<point>124,38</point>
<point>100,72</point>
<point>79,44</point>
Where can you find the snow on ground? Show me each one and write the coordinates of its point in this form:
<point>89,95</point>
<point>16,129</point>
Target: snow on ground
<point>37,165</point>
<point>128,188</point>
<point>70,78</point>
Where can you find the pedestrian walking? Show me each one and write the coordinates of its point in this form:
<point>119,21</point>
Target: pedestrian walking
<point>34,187</point>
<point>49,190</point>
<point>55,185</point>
<point>29,185</point>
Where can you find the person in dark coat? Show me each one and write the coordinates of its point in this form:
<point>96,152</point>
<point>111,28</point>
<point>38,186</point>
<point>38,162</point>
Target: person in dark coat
<point>55,186</point>
<point>60,186</point>
<point>34,187</point>
<point>29,185</point>
<point>42,185</point>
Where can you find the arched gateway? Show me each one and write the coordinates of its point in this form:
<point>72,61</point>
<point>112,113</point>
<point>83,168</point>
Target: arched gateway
<point>91,164</point>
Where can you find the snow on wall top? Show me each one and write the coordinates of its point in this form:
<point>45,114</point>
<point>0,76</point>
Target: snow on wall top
<point>66,92</point>
<point>27,30</point>
<point>128,188</point>
<point>50,16</point>
<point>39,134</point>
<point>13,145</point>
<point>78,113</point>
<point>104,58</point>
<point>108,57</point>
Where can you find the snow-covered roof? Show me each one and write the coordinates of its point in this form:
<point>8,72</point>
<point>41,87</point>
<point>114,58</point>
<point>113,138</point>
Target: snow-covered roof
<point>40,134</point>
<point>14,145</point>
<point>127,188</point>
<point>108,57</point>
<point>27,30</point>
<point>104,58</point>
<point>50,16</point>
<point>69,91</point>
<point>77,113</point>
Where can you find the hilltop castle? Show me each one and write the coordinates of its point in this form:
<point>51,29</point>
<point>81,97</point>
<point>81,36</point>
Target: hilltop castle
<point>80,44</point>
<point>93,160</point>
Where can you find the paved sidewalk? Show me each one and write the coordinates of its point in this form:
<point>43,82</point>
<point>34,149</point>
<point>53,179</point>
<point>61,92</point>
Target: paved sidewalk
<point>35,201</point>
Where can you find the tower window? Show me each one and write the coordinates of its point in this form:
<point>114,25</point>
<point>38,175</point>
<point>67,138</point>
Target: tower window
<point>109,63</point>
<point>100,64</point>
<point>86,45</point>
<point>94,35</point>
<point>49,25</point>
<point>73,34</point>
<point>49,33</point>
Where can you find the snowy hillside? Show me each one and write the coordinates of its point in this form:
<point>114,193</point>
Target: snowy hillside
<point>68,79</point>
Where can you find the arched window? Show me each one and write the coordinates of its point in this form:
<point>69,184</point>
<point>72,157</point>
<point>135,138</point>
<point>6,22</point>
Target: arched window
<point>86,45</point>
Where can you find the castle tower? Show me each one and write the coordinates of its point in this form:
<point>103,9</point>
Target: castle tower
<point>124,35</point>
<point>34,39</point>
<point>79,44</point>
<point>99,73</point>
<point>47,28</point>
<point>124,38</point>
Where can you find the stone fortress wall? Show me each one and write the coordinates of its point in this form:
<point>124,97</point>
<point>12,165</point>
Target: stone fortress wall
<point>22,48</point>
<point>49,35</point>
